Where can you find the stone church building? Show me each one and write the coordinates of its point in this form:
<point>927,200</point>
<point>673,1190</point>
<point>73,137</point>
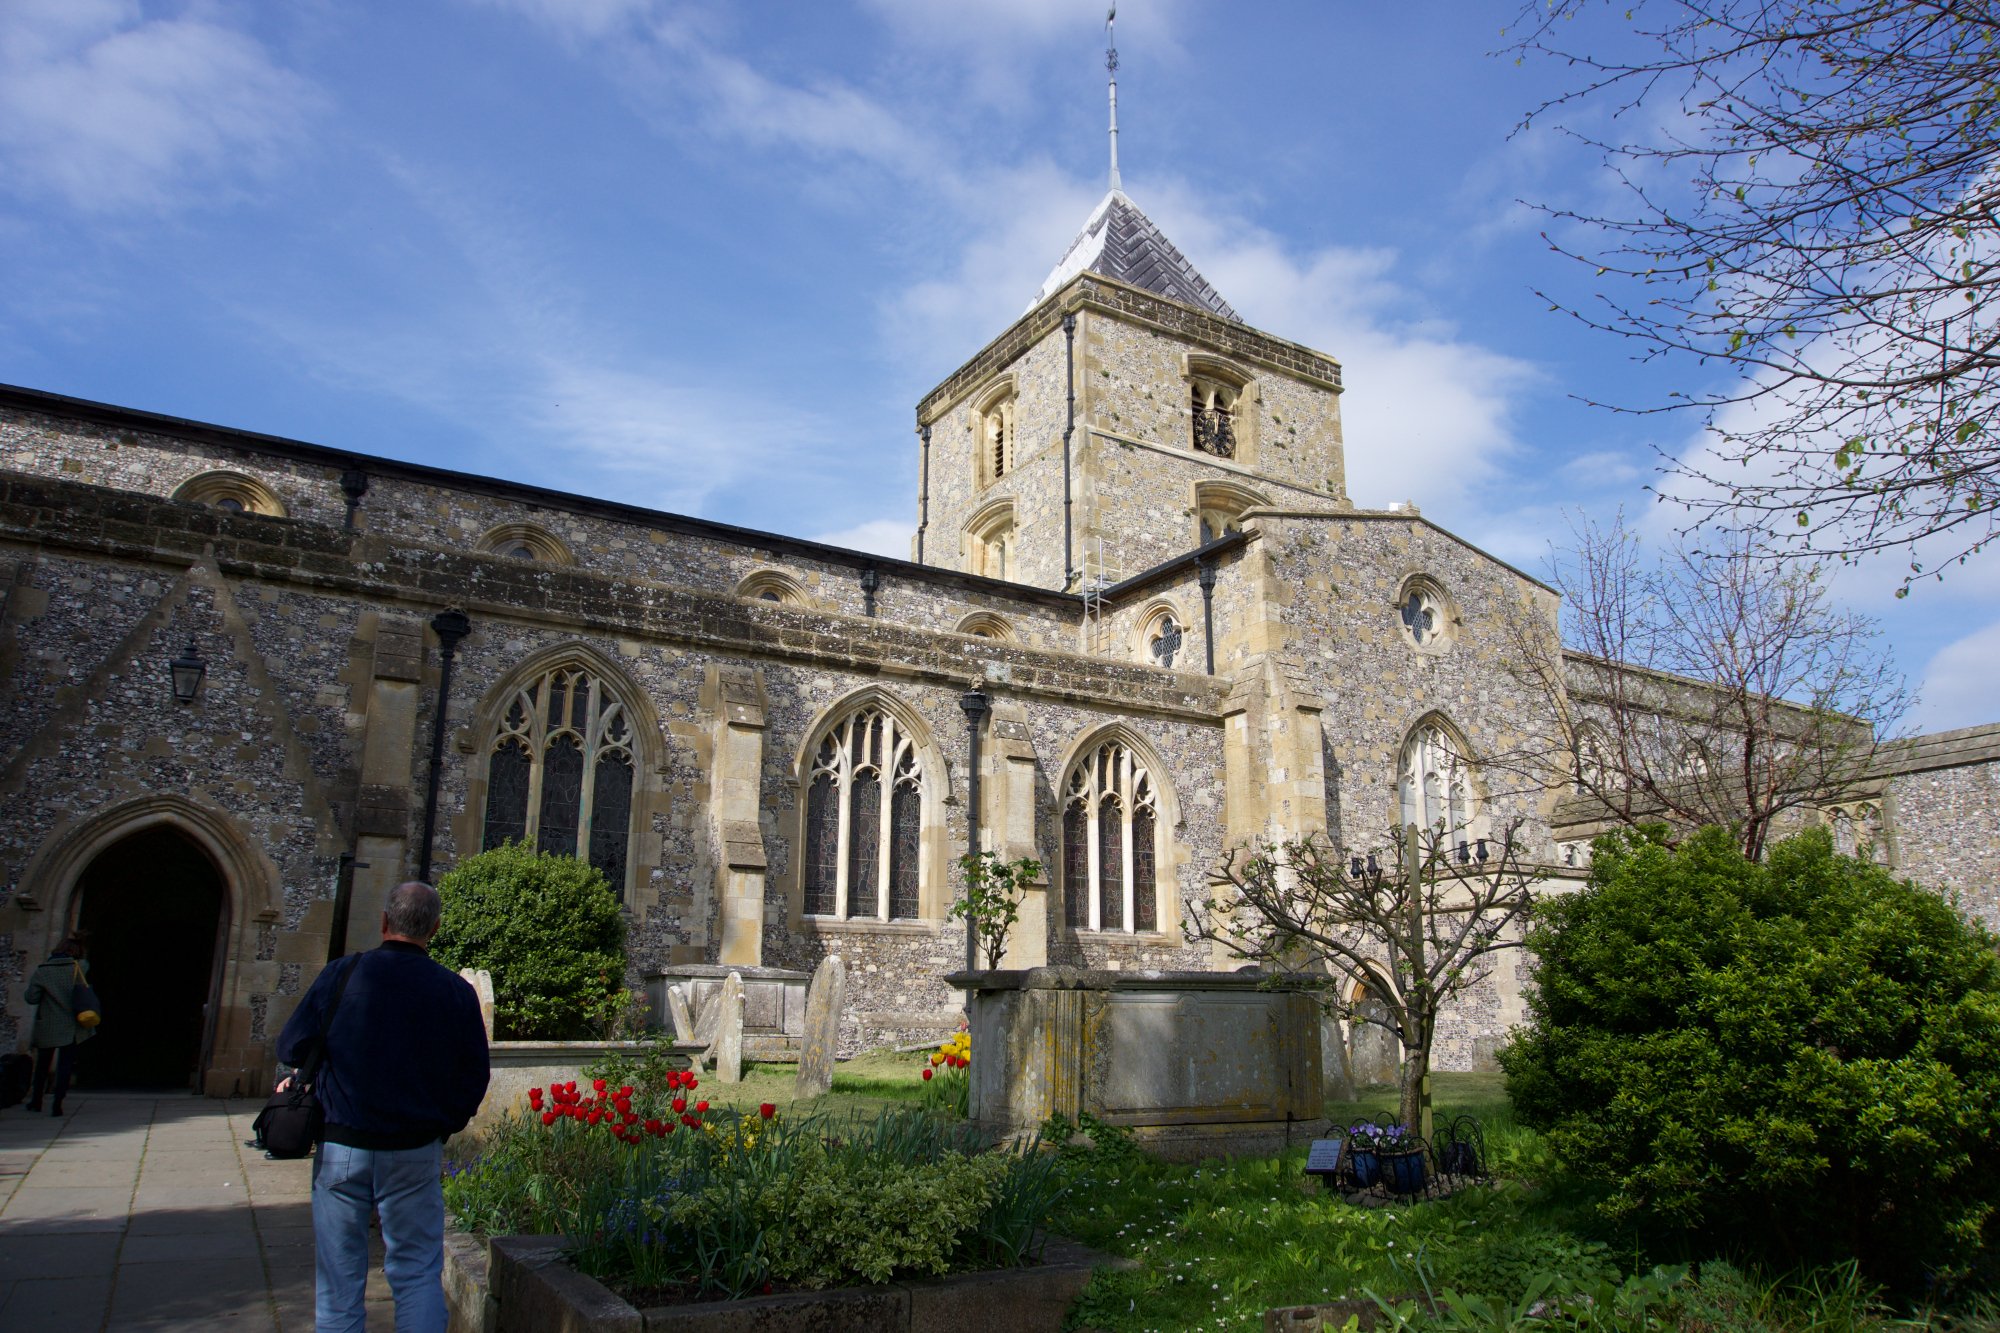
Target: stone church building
<point>247,684</point>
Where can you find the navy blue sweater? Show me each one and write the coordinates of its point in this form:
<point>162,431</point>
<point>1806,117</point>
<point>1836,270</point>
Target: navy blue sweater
<point>406,1060</point>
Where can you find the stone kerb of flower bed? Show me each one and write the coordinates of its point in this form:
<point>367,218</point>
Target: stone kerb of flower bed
<point>534,1291</point>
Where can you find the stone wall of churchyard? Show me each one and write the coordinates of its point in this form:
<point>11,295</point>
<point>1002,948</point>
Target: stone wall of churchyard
<point>1944,821</point>
<point>1338,580</point>
<point>404,504</point>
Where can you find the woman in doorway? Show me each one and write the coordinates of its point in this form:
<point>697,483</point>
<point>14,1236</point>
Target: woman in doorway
<point>57,1034</point>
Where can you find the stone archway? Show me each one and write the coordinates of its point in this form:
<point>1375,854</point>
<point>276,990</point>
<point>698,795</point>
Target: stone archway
<point>153,912</point>
<point>56,886</point>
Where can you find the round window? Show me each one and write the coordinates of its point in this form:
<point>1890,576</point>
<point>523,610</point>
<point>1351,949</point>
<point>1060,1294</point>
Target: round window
<point>1426,616</point>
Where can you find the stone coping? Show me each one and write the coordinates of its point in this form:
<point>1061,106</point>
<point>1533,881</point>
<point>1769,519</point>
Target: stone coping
<point>718,971</point>
<point>1087,978</point>
<point>528,1288</point>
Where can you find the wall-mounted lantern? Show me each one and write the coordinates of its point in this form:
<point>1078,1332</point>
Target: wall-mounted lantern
<point>187,671</point>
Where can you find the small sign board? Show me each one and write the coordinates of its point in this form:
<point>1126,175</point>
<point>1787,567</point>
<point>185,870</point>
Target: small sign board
<point>1323,1158</point>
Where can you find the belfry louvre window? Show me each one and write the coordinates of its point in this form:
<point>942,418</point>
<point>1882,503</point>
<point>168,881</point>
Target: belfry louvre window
<point>559,777</point>
<point>1111,843</point>
<point>1213,408</point>
<point>864,821</point>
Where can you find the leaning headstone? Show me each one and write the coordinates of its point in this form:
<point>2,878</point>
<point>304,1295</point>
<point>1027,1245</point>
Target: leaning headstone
<point>729,1030</point>
<point>825,998</point>
<point>481,982</point>
<point>683,1016</point>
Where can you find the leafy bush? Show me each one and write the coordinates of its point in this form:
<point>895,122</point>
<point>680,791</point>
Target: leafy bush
<point>1798,1060</point>
<point>549,930</point>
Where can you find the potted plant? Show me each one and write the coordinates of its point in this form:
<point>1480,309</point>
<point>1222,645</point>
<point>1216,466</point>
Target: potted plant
<point>1392,1154</point>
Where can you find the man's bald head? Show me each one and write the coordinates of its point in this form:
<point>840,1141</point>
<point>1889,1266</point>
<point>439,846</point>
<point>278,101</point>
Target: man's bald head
<point>412,913</point>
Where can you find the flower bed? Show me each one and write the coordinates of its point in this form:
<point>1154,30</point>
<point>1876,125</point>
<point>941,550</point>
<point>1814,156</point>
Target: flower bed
<point>668,1199</point>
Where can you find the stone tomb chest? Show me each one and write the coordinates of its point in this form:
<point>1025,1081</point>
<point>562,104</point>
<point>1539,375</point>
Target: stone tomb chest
<point>774,1006</point>
<point>1194,1063</point>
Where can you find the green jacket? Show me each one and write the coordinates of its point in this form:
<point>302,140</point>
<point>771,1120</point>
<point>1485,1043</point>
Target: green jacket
<point>49,991</point>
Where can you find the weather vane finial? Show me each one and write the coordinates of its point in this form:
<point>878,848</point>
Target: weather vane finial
<point>1111,68</point>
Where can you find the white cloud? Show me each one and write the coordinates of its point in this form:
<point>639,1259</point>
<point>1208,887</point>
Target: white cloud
<point>1604,468</point>
<point>112,111</point>
<point>578,18</point>
<point>1957,690</point>
<point>879,536</point>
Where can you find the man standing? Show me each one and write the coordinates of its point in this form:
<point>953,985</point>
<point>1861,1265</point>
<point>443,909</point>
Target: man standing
<point>405,1067</point>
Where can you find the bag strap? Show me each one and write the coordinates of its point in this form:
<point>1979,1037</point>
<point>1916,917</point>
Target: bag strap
<point>312,1066</point>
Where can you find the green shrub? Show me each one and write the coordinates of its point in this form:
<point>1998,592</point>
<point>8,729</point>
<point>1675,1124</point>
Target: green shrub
<point>549,930</point>
<point>1798,1061</point>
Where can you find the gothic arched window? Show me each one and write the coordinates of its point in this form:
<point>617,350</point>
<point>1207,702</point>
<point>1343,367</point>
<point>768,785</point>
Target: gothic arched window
<point>1111,830</point>
<point>560,772</point>
<point>864,820</point>
<point>1435,783</point>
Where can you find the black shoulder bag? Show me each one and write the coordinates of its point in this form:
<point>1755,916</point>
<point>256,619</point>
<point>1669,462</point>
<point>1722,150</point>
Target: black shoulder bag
<point>293,1120</point>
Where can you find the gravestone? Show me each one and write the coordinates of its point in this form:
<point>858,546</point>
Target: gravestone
<point>729,1030</point>
<point>481,982</point>
<point>824,1001</point>
<point>683,1014</point>
<point>1377,1055</point>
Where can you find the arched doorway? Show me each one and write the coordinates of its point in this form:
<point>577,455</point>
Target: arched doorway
<point>153,910</point>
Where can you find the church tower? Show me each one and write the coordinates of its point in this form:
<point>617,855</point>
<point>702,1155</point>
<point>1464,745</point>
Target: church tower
<point>1128,409</point>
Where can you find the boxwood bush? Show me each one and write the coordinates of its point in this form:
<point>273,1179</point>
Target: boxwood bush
<point>549,930</point>
<point>1798,1060</point>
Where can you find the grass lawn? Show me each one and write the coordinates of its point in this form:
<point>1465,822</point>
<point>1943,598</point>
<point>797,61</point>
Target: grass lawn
<point>864,1086</point>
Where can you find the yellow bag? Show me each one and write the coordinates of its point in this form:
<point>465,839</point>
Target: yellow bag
<point>83,1000</point>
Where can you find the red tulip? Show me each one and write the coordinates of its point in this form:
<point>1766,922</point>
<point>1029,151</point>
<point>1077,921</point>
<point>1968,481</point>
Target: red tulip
<point>927,1073</point>
<point>680,1104</point>
<point>625,1091</point>
<point>597,1086</point>
<point>702,1107</point>
<point>767,1110</point>
<point>548,1117</point>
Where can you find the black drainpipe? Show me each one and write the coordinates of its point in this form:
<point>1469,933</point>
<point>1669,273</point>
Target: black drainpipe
<point>870,581</point>
<point>450,627</point>
<point>354,485</point>
<point>1069,428</point>
<point>924,491</point>
<point>1207,578</point>
<point>975,703</point>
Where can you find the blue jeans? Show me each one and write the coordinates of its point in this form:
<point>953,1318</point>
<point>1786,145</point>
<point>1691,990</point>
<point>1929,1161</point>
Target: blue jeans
<point>405,1188</point>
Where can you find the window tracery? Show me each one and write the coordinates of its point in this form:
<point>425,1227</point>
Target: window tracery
<point>560,772</point>
<point>231,492</point>
<point>1111,842</point>
<point>864,820</point>
<point>1434,782</point>
<point>1426,615</point>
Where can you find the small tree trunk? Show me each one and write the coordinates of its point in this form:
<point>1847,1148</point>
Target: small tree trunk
<point>1414,1086</point>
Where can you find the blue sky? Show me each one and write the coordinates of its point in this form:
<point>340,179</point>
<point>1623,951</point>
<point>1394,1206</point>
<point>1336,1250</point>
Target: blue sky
<point>707,258</point>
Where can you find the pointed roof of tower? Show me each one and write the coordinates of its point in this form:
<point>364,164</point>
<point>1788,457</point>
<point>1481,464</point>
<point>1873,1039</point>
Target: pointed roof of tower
<point>1121,242</point>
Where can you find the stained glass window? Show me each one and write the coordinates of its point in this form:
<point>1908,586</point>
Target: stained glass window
<point>562,795</point>
<point>1110,826</point>
<point>864,843</point>
<point>1145,911</point>
<point>905,836</point>
<point>560,772</point>
<point>1076,865</point>
<point>611,814</point>
<point>823,843</point>
<point>507,794</point>
<point>1111,865</point>
<point>863,849</point>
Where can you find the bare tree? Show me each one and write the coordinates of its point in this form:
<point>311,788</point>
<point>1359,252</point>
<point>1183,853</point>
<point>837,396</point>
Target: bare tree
<point>1413,920</point>
<point>1719,687</point>
<point>1816,207</point>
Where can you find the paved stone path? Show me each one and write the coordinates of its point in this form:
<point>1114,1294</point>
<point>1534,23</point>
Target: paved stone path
<point>147,1211</point>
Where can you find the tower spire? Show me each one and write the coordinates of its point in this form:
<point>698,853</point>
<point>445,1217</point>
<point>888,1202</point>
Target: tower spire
<point>1111,68</point>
